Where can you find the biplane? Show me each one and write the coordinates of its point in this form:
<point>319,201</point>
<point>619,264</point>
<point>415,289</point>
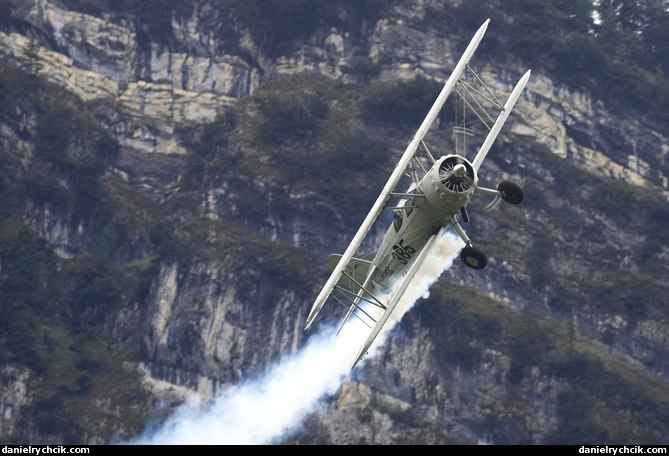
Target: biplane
<point>435,200</point>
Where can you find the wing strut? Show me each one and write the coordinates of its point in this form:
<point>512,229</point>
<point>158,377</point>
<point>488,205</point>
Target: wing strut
<point>396,175</point>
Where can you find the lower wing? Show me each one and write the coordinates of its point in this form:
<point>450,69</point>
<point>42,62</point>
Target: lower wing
<point>397,295</point>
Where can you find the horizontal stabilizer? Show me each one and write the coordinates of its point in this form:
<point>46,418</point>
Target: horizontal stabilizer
<point>355,271</point>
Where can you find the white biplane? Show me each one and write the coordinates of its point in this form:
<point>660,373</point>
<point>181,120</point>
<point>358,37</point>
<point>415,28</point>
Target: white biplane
<point>435,200</point>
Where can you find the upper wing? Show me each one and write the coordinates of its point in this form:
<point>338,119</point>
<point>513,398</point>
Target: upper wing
<point>494,131</point>
<point>396,175</point>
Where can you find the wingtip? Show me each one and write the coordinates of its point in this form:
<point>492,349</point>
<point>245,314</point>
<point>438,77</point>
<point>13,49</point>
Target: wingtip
<point>361,354</point>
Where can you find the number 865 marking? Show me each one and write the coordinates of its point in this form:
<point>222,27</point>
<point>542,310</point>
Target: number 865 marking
<point>402,253</point>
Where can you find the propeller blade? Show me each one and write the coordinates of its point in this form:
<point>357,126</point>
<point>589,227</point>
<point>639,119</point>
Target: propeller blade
<point>465,215</point>
<point>493,204</point>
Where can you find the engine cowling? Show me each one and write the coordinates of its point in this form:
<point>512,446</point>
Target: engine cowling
<point>450,183</point>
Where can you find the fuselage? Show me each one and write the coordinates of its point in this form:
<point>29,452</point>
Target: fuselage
<point>447,187</point>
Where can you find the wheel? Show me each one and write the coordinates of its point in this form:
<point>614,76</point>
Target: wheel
<point>510,192</point>
<point>473,257</point>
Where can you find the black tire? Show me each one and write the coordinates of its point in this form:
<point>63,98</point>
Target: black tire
<point>473,257</point>
<point>510,192</point>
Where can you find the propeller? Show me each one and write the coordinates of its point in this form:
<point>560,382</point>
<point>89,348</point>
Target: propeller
<point>493,204</point>
<point>507,191</point>
<point>456,174</point>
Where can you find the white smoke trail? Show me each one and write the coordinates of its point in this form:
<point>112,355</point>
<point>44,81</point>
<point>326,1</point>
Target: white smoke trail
<point>263,409</point>
<point>439,260</point>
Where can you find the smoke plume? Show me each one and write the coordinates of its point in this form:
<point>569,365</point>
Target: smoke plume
<point>267,408</point>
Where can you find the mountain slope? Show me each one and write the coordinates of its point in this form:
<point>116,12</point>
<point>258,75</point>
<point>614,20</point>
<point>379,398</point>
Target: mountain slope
<point>174,175</point>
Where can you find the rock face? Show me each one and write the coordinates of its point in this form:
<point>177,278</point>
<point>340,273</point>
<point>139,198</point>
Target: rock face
<point>206,324</point>
<point>13,397</point>
<point>99,59</point>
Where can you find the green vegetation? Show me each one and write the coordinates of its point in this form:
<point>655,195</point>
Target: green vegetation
<point>52,309</point>
<point>216,135</point>
<point>606,400</point>
<point>278,24</point>
<point>29,290</point>
<point>153,17</point>
<point>460,332</point>
<point>50,322</point>
<point>600,399</point>
<point>401,102</point>
<point>539,261</point>
<point>300,133</point>
<point>557,265</point>
<point>82,371</point>
<point>302,139</point>
<point>623,52</point>
<point>291,115</point>
<point>82,158</point>
<point>364,66</point>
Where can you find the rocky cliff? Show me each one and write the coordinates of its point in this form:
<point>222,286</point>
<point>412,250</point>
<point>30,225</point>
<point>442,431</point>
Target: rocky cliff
<point>219,174</point>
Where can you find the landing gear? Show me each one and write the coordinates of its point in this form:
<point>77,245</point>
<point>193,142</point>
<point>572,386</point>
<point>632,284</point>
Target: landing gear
<point>473,257</point>
<point>469,255</point>
<point>510,192</point>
